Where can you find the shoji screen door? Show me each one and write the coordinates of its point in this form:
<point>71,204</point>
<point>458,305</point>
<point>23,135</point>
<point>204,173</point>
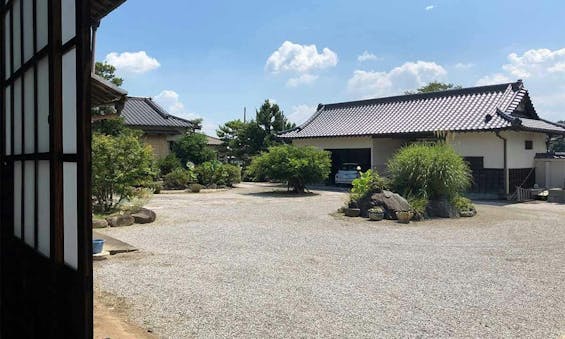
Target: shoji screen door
<point>46,242</point>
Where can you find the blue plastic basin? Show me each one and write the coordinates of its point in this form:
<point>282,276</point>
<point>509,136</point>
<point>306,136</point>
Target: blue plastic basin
<point>97,246</point>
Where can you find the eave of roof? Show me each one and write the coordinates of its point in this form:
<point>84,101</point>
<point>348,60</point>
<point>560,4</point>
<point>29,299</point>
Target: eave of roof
<point>143,112</point>
<point>100,8</point>
<point>103,92</point>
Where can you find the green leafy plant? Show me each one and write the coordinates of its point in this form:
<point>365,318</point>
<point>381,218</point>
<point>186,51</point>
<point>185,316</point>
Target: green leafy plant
<point>298,166</point>
<point>119,165</point>
<point>369,182</point>
<point>215,172</point>
<point>419,205</point>
<point>179,178</point>
<point>429,170</point>
<point>234,174</point>
<point>462,204</point>
<point>168,164</point>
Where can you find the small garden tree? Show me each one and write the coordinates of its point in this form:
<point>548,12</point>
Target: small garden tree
<point>193,147</point>
<point>298,166</point>
<point>119,164</point>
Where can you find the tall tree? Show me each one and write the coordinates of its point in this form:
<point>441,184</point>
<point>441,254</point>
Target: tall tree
<point>272,120</point>
<point>108,72</point>
<point>434,86</point>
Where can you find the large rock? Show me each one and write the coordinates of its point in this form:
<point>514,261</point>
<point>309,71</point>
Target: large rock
<point>442,208</point>
<point>144,216</point>
<point>120,220</point>
<point>99,223</point>
<point>389,201</point>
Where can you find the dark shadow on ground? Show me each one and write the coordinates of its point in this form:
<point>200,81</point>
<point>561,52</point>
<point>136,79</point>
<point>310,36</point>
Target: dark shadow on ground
<point>494,202</point>
<point>281,194</point>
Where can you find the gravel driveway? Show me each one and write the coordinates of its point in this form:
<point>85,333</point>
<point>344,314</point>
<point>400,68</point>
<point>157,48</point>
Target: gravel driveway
<point>248,263</point>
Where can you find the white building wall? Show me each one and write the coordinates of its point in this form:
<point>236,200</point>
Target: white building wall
<point>383,150</point>
<point>550,173</point>
<point>518,155</point>
<point>480,144</point>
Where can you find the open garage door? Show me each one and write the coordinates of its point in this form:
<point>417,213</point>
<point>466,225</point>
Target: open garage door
<point>361,156</point>
<point>45,247</point>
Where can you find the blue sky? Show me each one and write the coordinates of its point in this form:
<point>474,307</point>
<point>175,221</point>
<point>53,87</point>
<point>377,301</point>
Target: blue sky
<point>210,59</point>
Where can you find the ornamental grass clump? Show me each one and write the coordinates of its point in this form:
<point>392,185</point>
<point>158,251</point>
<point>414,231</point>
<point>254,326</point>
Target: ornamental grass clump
<point>429,170</point>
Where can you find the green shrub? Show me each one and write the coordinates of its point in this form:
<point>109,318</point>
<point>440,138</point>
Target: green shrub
<point>419,205</point>
<point>298,166</point>
<point>462,204</point>
<point>119,164</point>
<point>215,172</point>
<point>179,178</point>
<point>193,147</point>
<point>195,188</point>
<point>168,164</point>
<point>234,174</point>
<point>369,182</point>
<point>428,170</point>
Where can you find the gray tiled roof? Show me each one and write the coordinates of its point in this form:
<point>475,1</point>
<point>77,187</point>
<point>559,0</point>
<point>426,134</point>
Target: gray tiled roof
<point>144,112</point>
<point>469,109</point>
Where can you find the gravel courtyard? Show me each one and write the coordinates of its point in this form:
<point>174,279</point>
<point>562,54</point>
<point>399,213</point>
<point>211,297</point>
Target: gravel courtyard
<point>248,263</point>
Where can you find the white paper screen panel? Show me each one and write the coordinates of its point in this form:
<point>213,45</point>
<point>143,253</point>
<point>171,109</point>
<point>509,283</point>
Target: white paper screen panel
<point>29,112</point>
<point>18,116</point>
<point>7,54</point>
<point>43,105</point>
<point>69,102</point>
<point>68,20</point>
<point>70,216</point>
<point>27,7</point>
<point>29,203</point>
<point>17,35</point>
<point>18,199</point>
<point>8,127</point>
<point>43,208</point>
<point>41,23</point>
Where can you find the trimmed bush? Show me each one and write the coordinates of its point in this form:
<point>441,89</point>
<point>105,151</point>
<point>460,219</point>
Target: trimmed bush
<point>168,164</point>
<point>217,173</point>
<point>463,204</point>
<point>195,188</point>
<point>234,174</point>
<point>431,171</point>
<point>179,178</point>
<point>298,166</point>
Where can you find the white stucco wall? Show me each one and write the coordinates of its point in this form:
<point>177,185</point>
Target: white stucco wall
<point>550,173</point>
<point>383,150</point>
<point>518,155</point>
<point>489,146</point>
<point>482,144</point>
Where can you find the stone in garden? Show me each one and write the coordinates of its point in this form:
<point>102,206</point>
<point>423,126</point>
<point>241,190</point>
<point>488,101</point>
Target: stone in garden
<point>99,223</point>
<point>389,201</point>
<point>144,216</point>
<point>120,220</point>
<point>442,208</point>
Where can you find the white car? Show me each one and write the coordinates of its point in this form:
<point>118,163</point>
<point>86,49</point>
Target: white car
<point>347,173</point>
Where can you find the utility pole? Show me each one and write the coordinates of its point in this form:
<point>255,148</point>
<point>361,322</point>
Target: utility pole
<point>244,114</point>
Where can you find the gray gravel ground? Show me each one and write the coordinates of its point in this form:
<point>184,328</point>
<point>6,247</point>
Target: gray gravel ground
<point>246,263</point>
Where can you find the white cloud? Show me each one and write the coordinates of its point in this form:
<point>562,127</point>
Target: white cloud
<point>291,57</point>
<point>536,62</point>
<point>170,101</point>
<point>304,79</point>
<point>300,113</point>
<point>429,7</point>
<point>462,65</point>
<point>497,78</point>
<point>132,62</point>
<point>408,76</point>
<point>367,56</point>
